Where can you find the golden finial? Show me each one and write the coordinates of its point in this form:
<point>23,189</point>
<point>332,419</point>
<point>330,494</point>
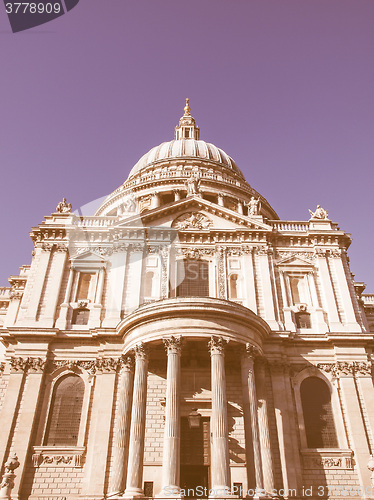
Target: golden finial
<point>187,109</point>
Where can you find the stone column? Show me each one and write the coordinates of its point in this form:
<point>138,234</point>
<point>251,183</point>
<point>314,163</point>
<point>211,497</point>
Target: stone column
<point>249,387</point>
<point>137,431</point>
<point>122,426</point>
<point>171,455</point>
<point>263,425</point>
<point>220,200</point>
<point>177,194</point>
<point>220,467</point>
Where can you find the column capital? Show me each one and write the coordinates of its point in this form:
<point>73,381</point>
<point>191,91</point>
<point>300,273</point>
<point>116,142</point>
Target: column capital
<point>251,351</point>
<point>141,352</point>
<point>217,344</point>
<point>173,345</point>
<point>126,363</point>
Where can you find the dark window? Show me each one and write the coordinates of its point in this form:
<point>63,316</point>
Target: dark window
<point>193,278</point>
<point>65,412</point>
<point>303,320</point>
<point>80,316</point>
<point>187,133</point>
<point>318,418</point>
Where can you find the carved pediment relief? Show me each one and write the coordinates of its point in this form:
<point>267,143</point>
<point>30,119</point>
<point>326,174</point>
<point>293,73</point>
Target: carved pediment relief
<point>192,220</point>
<point>295,260</point>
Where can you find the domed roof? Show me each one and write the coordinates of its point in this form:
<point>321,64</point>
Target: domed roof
<point>186,145</point>
<point>184,149</point>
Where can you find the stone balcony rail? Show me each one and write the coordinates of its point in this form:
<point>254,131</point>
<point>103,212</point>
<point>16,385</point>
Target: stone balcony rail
<point>94,221</point>
<point>5,292</point>
<point>291,225</point>
<point>368,299</point>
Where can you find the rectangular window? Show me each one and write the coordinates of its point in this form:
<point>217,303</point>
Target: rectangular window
<point>85,280</point>
<point>192,278</point>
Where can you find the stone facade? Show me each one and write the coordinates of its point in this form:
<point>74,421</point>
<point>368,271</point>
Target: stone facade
<point>184,337</point>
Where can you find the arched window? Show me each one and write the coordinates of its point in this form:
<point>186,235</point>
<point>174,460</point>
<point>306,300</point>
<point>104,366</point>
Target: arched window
<point>233,286</point>
<point>318,417</point>
<point>193,278</point>
<point>65,412</point>
<point>148,284</point>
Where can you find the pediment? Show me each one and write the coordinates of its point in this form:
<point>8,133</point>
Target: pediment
<point>86,259</point>
<point>215,217</point>
<point>295,261</point>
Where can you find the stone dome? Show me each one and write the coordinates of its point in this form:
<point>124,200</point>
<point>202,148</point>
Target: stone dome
<point>186,149</point>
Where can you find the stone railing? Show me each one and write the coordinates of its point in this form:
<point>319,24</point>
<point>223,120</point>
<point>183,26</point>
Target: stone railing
<point>368,299</point>
<point>291,225</point>
<point>92,221</point>
<point>4,292</point>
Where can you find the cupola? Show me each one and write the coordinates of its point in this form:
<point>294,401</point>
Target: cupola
<point>187,128</point>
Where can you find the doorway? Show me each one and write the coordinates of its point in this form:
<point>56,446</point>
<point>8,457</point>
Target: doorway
<point>195,458</point>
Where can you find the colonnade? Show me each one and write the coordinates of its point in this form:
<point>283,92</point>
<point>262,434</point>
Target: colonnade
<point>130,422</point>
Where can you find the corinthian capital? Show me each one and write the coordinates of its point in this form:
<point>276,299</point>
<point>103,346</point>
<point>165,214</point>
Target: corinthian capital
<point>141,352</point>
<point>173,345</point>
<point>217,345</point>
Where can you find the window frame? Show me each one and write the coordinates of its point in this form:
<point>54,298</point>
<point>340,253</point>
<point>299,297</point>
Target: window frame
<point>50,384</point>
<point>335,405</point>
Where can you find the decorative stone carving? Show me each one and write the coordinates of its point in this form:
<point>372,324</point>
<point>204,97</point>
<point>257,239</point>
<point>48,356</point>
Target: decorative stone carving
<point>55,457</point>
<point>192,220</point>
<point>164,271</point>
<point>341,368</point>
<point>221,272</point>
<point>217,344</point>
<point>63,207</point>
<point>252,351</point>
<point>61,247</point>
<point>7,483</point>
<point>141,351</point>
<point>319,213</point>
<point>107,365</point>
<point>16,294</point>
<point>195,253</point>
<point>126,363</point>
<point>310,462</point>
<point>47,247</point>
<point>173,344</point>
<point>22,364</point>
<point>89,366</point>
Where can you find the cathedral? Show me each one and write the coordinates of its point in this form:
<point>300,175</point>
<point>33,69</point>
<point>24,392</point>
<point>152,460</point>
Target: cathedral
<point>184,342</point>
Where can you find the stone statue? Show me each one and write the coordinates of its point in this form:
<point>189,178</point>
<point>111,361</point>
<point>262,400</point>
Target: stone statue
<point>7,483</point>
<point>253,206</point>
<point>320,213</point>
<point>193,185</point>
<point>63,207</point>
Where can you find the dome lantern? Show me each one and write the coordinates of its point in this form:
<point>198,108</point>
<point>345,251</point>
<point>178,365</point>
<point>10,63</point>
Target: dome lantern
<point>187,128</point>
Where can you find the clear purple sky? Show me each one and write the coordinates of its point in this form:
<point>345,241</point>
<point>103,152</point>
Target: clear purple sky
<point>284,87</point>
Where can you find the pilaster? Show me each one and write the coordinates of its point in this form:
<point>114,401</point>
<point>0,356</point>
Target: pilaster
<point>100,426</point>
